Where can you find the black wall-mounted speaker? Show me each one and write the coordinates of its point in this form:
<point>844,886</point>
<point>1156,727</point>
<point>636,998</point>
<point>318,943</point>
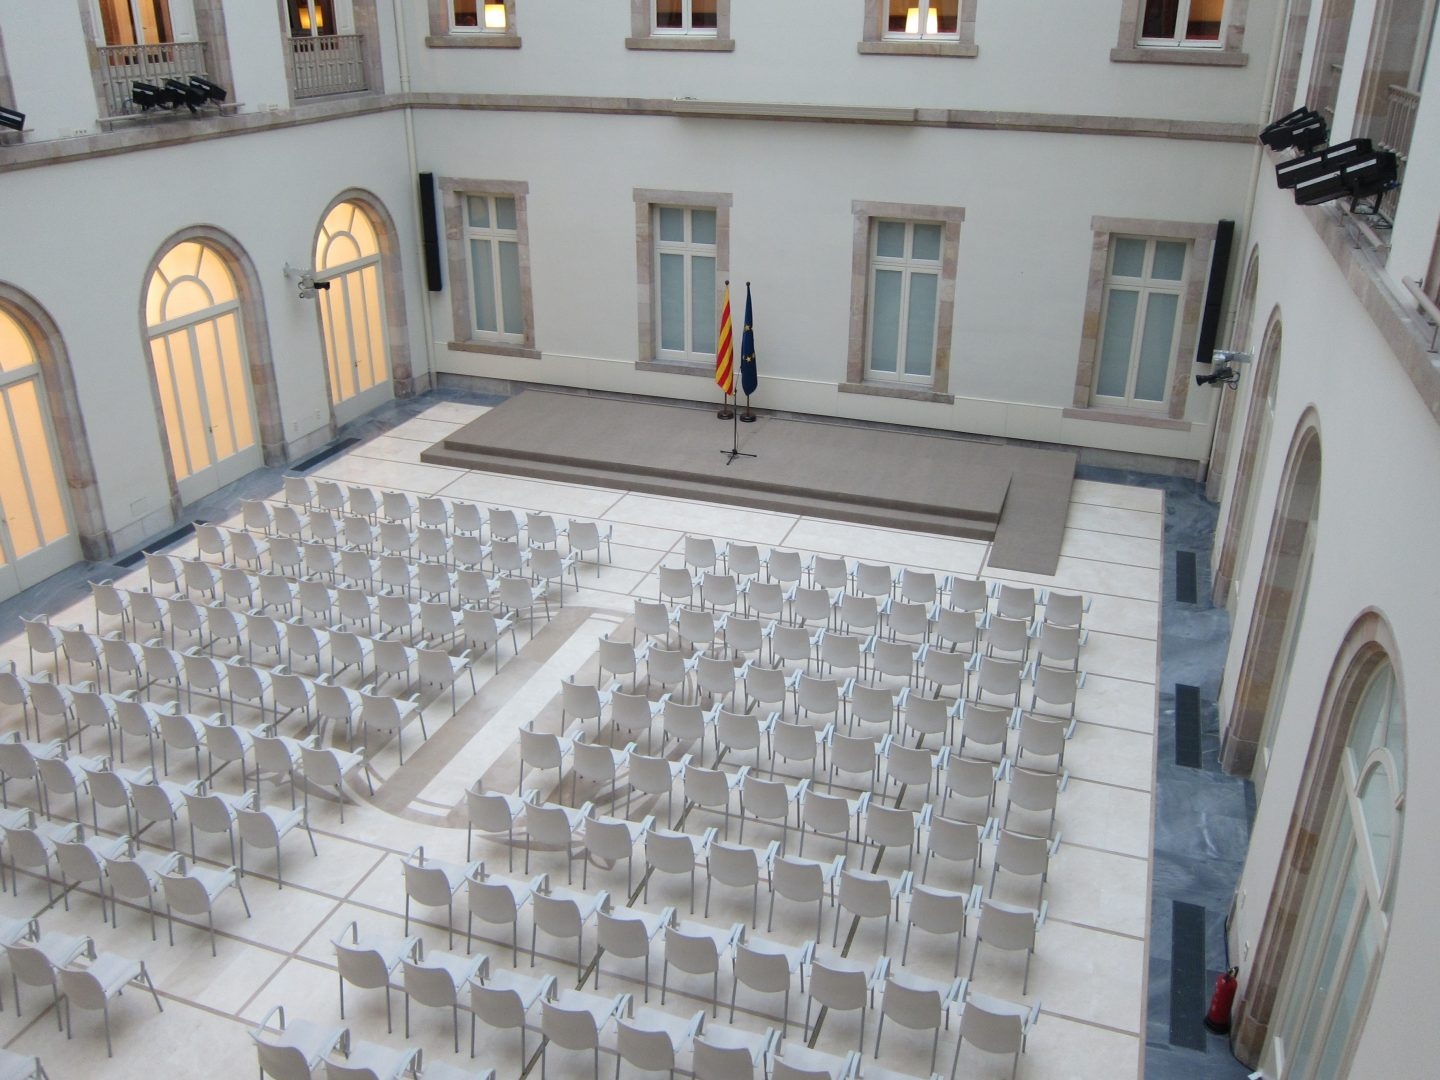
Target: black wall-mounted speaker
<point>1215,291</point>
<point>430,232</point>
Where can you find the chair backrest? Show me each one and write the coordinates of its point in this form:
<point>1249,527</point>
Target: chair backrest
<point>918,586</point>
<point>488,812</point>
<point>651,775</point>
<point>1042,735</point>
<point>540,749</point>
<point>909,765</point>
<point>608,839</point>
<point>547,824</point>
<point>152,802</point>
<point>767,972</point>
<point>992,1025</point>
<point>768,799</point>
<point>783,566</point>
<point>209,813</point>
<point>874,579</point>
<point>889,826</point>
<point>320,765</point>
<point>1056,686</point>
<point>707,787</point>
<point>78,861</point>
<point>428,884</point>
<point>497,1006</point>
<point>926,715</point>
<point>840,650</point>
<point>29,964</point>
<point>864,894</point>
<point>258,828</point>
<point>988,725</point>
<point>573,1029</point>
<point>557,915</point>
<point>584,536</point>
<point>830,572</point>
<point>1016,601</point>
<point>129,878</point>
<point>912,1007</point>
<point>1007,926</point>
<point>839,988</point>
<point>819,695</point>
<point>430,983</point>
<point>185,893</point>
<point>647,1049</point>
<point>361,965</point>
<point>796,879</point>
<point>938,911</point>
<point>671,852</point>
<point>1005,634</point>
<point>714,1062</point>
<point>622,935</point>
<point>739,731</point>
<point>731,865</point>
<point>829,814</point>
<point>1021,853</point>
<point>958,841</point>
<point>1033,789</point>
<point>697,954</point>
<point>796,742</point>
<point>580,700</point>
<point>82,988</point>
<point>700,552</point>
<point>28,847</point>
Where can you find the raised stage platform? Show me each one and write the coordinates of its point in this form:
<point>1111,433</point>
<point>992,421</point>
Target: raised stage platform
<point>1016,497</point>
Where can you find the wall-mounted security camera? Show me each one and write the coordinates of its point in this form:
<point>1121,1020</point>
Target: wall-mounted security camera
<point>1226,356</point>
<point>1221,376</point>
<point>310,286</point>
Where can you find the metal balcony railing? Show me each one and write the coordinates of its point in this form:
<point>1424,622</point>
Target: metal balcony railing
<point>328,64</point>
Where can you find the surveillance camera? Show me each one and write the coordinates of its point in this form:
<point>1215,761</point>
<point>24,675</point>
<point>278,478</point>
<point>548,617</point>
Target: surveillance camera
<point>1222,376</point>
<point>309,286</point>
<point>1229,356</point>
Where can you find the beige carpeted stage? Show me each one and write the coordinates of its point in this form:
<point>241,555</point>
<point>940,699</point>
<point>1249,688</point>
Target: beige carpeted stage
<point>1016,496</point>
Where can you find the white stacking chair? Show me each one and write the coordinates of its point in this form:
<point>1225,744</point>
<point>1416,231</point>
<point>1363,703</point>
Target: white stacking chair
<point>266,828</point>
<point>799,742</point>
<point>110,788</point>
<point>134,876</point>
<point>194,892</point>
<point>1002,635</point>
<point>720,590</point>
<point>81,860</point>
<point>66,776</point>
<point>361,500</point>
<point>736,733</point>
<point>768,967</point>
<point>995,1026</point>
<point>497,901</point>
<point>292,1052</point>
<point>369,964</point>
<point>653,1041</point>
<point>586,536</point>
<point>384,715</point>
<point>1057,687</point>
<point>162,801</point>
<point>627,933</point>
<point>895,829</point>
<point>562,913</point>
<point>686,723</point>
<point>437,980</point>
<point>676,584</point>
<point>547,565</point>
<point>1043,736</point>
<point>917,1004</point>
<point>436,668</point>
<point>1013,601</point>
<point>1064,609</point>
<point>574,1021</point>
<point>215,812</point>
<point>543,750</point>
<point>1025,856</point>
<point>953,841</point>
<point>739,868</point>
<point>869,896</point>
<point>955,630</point>
<point>92,987</point>
<point>33,846</point>
<point>771,801</point>
<point>517,596</point>
<point>912,767</point>
<point>938,911</point>
<point>675,853</point>
<point>843,985</point>
<point>1010,928</point>
<point>832,815</point>
<point>434,883</point>
<point>325,767</point>
<point>986,725</point>
<point>710,789</point>
<point>583,701</point>
<point>655,776</point>
<point>80,648</point>
<point>764,599</point>
<point>371,1061</point>
<point>634,714</point>
<point>481,629</point>
<point>1034,791</point>
<point>505,1001</point>
<point>803,881</point>
<point>36,959</point>
<point>110,601</point>
<point>696,949</point>
<point>555,826</point>
<point>612,840</point>
<point>994,676</point>
<point>493,812</point>
<point>729,1053</point>
<point>619,658</point>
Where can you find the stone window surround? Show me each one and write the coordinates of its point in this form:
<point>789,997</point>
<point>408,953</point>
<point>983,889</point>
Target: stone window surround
<point>444,36</point>
<point>1369,642</point>
<point>67,421</point>
<point>874,42</point>
<point>643,35</point>
<point>1202,242</point>
<point>1240,332</point>
<point>1129,50</point>
<point>950,219</point>
<point>646,199</point>
<point>367,28</point>
<point>209,28</point>
<point>467,338</point>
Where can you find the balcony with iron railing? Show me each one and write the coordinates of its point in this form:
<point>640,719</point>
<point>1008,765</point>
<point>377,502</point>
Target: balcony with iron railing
<point>328,64</point>
<point>1396,130</point>
<point>121,66</point>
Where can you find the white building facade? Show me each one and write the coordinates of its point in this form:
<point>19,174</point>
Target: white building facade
<point>998,219</point>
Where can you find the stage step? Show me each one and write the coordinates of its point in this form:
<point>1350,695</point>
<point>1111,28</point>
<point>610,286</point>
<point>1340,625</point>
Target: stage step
<point>717,489</point>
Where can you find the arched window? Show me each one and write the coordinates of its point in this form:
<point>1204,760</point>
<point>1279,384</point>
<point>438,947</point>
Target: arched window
<point>1345,920</point>
<point>34,517</point>
<point>192,314</point>
<point>352,309</point>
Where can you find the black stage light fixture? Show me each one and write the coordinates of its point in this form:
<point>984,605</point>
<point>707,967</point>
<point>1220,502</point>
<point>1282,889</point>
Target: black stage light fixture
<point>1303,128</point>
<point>212,91</point>
<point>147,95</point>
<point>1297,170</point>
<point>1369,177</point>
<point>191,97</point>
<point>1221,376</point>
<point>11,119</point>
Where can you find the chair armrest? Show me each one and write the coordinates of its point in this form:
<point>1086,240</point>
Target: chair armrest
<point>974,900</point>
<point>1044,911</point>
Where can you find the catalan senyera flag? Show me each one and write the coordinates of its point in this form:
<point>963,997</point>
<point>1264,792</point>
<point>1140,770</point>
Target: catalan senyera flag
<point>725,350</point>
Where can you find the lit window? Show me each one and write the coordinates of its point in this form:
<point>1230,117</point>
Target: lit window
<point>32,506</point>
<point>1182,22</point>
<point>352,309</point>
<point>687,17</point>
<point>1144,288</point>
<point>479,15</point>
<point>903,308</point>
<point>136,22</point>
<point>922,18</point>
<point>311,18</point>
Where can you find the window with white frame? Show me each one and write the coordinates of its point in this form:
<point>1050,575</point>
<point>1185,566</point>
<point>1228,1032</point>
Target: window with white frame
<point>1182,22</point>
<point>918,19</point>
<point>693,25</point>
<point>685,311</point>
<point>1182,32</point>
<point>492,241</point>
<point>136,22</point>
<point>687,17</point>
<point>478,16</point>
<point>472,24</point>
<point>1140,323</point>
<point>903,301</point>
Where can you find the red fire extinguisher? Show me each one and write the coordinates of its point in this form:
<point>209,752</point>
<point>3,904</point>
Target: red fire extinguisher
<point>1218,1018</point>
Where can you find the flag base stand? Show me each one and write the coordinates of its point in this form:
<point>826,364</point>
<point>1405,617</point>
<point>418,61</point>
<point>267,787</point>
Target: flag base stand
<point>747,417</point>
<point>735,451</point>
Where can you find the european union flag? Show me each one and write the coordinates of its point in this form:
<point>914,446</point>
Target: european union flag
<point>749,376</point>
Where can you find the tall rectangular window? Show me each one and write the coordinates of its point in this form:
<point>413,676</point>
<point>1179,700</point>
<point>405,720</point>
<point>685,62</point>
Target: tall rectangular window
<point>687,17</point>
<point>910,19</point>
<point>1144,286</point>
<point>904,290</point>
<point>685,286</point>
<point>492,240</point>
<point>1182,22</point>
